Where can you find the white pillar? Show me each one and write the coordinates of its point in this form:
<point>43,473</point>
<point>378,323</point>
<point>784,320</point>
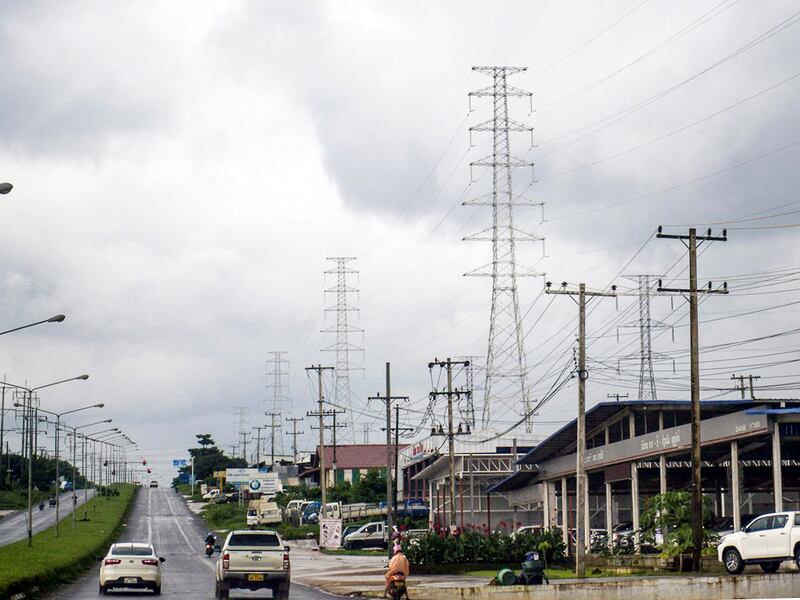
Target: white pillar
<point>632,425</point>
<point>735,495</point>
<point>546,504</point>
<point>635,504</point>
<point>430,504</point>
<point>777,479</point>
<point>609,514</point>
<point>564,514</point>
<point>587,531</point>
<point>662,474</point>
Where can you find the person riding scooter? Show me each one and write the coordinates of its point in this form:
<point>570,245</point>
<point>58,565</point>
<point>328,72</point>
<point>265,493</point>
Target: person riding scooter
<point>210,540</point>
<point>397,573</point>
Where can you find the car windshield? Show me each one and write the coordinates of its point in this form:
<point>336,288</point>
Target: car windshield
<point>254,539</point>
<point>130,550</point>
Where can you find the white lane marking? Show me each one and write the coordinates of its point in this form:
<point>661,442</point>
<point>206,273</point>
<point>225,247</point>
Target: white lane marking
<point>177,522</point>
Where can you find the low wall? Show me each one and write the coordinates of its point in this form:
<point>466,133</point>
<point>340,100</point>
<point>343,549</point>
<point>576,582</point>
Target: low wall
<point>778,585</point>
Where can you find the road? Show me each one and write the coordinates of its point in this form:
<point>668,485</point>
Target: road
<point>161,517</point>
<point>14,527</point>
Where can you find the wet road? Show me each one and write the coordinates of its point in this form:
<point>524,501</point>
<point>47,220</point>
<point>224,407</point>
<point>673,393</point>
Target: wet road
<point>161,517</point>
<point>14,527</point>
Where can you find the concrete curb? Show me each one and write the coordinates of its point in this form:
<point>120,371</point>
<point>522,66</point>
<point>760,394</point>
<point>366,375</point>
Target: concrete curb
<point>778,585</point>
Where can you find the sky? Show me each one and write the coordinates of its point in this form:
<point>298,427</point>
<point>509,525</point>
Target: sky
<point>183,171</point>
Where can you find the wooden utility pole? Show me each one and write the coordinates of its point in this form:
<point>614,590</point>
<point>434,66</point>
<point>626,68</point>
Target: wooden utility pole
<point>294,421</point>
<point>272,426</point>
<point>448,364</point>
<point>697,491</point>
<point>321,413</point>
<point>581,482</point>
<point>387,399</point>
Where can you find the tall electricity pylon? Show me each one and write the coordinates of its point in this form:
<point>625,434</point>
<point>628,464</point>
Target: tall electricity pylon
<point>505,361</point>
<point>647,381</point>
<point>342,394</point>
<point>278,392</point>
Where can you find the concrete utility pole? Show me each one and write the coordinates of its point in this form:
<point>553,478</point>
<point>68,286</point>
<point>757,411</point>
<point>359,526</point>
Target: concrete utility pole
<point>448,364</point>
<point>333,427</point>
<point>387,399</point>
<point>397,429</point>
<point>697,490</point>
<point>273,426</point>
<point>741,387</point>
<point>321,413</point>
<point>617,396</point>
<point>294,421</point>
<point>581,481</point>
<point>258,444</point>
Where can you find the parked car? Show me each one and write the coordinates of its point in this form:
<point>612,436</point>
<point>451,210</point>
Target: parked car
<point>153,484</point>
<point>212,495</point>
<point>766,541</point>
<point>131,565</point>
<point>349,529</point>
<point>253,560</point>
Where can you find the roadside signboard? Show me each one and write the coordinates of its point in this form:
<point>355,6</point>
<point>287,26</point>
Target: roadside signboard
<point>330,533</point>
<point>178,462</point>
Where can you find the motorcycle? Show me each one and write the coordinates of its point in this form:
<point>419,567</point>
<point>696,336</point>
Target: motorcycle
<point>52,502</point>
<point>41,506</point>
<point>397,587</point>
<point>209,549</point>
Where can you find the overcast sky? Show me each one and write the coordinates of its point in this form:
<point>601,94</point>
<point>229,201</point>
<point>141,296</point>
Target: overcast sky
<point>182,170</point>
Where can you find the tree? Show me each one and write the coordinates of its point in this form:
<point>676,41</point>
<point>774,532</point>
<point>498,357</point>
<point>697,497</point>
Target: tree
<point>204,439</point>
<point>671,515</point>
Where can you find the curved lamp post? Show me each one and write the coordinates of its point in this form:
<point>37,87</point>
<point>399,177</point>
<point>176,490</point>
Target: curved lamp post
<point>57,435</point>
<point>31,419</point>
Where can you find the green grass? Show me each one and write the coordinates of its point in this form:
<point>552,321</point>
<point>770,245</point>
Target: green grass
<point>18,499</point>
<point>53,560</point>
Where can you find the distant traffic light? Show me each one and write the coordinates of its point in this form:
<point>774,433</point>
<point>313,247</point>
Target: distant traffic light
<point>144,462</point>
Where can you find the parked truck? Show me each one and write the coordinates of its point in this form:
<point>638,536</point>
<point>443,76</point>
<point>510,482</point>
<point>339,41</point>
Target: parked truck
<point>263,511</point>
<point>253,560</point>
<point>371,535</point>
<point>766,541</point>
<point>353,512</point>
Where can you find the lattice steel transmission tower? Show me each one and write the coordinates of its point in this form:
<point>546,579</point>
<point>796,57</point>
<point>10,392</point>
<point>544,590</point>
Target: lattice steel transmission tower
<point>342,393</point>
<point>278,392</point>
<point>647,381</point>
<point>506,381</point>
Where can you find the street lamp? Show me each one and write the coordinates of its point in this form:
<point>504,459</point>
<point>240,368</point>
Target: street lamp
<point>83,467</point>
<point>54,319</point>
<point>31,420</point>
<point>57,435</point>
<point>5,188</point>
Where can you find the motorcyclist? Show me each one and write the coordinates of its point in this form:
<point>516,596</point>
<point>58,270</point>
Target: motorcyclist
<point>211,538</point>
<point>398,565</point>
<point>41,505</point>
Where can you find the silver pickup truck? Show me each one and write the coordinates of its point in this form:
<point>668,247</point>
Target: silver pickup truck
<point>253,560</point>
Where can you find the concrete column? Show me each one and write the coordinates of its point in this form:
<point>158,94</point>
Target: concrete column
<point>632,425</point>
<point>662,474</point>
<point>588,532</point>
<point>635,504</point>
<point>609,514</point>
<point>777,479</point>
<point>430,504</point>
<point>564,513</point>
<point>660,420</point>
<point>546,504</point>
<point>735,495</point>
<point>608,436</point>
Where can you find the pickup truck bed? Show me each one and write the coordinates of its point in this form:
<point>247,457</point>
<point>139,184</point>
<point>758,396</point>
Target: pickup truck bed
<point>253,560</point>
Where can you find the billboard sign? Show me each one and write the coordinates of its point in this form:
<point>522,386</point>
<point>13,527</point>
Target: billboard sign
<point>178,462</point>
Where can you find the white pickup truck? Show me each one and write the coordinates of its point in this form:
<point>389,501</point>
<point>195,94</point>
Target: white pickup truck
<point>253,560</point>
<point>767,540</point>
<point>371,535</point>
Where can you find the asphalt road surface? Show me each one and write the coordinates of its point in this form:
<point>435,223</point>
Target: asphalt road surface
<point>161,517</point>
<point>14,527</point>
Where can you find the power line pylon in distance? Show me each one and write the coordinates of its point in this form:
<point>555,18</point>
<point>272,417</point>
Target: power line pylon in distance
<point>278,385</point>
<point>342,347</point>
<point>505,361</point>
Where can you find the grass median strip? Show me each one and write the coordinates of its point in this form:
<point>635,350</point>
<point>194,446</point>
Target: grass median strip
<point>53,560</point>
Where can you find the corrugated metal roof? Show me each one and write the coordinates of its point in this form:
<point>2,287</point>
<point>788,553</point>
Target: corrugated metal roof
<point>358,456</point>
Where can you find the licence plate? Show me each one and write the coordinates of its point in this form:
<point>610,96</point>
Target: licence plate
<point>255,577</point>
<point>130,580</point>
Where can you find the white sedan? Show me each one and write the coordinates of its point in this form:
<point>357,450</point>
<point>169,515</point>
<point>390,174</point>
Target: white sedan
<point>131,565</point>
